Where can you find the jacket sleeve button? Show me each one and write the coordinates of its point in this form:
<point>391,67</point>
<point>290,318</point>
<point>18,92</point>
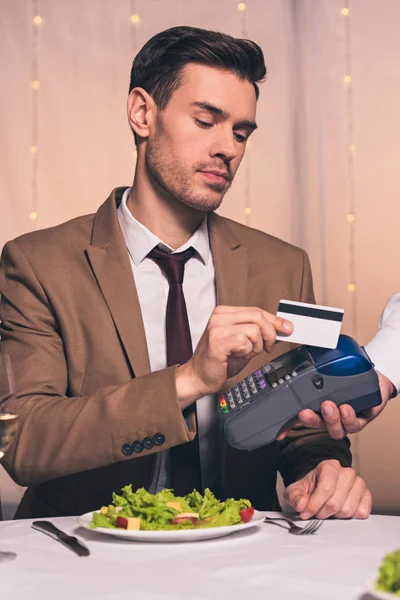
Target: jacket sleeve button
<point>159,439</point>
<point>127,449</point>
<point>148,443</point>
<point>137,446</point>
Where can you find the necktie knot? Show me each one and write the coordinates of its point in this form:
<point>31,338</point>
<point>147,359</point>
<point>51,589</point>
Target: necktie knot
<point>172,265</point>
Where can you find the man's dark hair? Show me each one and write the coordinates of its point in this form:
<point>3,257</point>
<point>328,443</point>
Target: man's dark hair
<point>157,68</point>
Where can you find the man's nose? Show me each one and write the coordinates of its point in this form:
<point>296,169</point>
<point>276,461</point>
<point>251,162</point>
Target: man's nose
<point>224,145</point>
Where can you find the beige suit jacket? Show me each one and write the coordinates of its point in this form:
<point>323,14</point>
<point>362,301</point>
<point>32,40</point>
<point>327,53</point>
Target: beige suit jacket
<point>72,324</point>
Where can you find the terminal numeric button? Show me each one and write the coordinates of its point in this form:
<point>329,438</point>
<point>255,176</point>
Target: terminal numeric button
<point>229,397</point>
<point>251,383</point>
<point>245,390</point>
<point>237,394</point>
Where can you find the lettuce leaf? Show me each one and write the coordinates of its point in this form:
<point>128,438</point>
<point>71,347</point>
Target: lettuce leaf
<point>389,574</point>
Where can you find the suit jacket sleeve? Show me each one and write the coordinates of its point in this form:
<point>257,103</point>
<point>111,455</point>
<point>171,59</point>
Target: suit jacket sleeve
<point>303,449</point>
<point>60,434</point>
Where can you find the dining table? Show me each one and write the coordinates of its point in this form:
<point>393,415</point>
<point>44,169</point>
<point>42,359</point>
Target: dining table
<point>260,562</point>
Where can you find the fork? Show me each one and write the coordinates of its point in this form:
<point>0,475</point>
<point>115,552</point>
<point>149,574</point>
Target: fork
<point>311,527</point>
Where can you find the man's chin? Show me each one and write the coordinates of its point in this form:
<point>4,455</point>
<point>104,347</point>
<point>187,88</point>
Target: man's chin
<point>205,203</point>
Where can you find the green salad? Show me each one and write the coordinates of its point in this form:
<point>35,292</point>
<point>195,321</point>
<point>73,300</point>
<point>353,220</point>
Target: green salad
<point>142,510</point>
<point>389,574</point>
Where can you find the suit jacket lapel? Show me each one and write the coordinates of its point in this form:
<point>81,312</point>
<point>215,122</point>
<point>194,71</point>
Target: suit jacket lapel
<point>230,262</point>
<point>109,260</point>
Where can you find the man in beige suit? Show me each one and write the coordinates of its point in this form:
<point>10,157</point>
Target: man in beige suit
<point>83,309</point>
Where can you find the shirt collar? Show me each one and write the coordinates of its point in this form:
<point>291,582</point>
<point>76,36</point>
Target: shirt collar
<point>140,240</point>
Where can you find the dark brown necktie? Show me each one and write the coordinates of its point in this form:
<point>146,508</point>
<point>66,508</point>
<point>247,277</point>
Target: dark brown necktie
<point>185,458</point>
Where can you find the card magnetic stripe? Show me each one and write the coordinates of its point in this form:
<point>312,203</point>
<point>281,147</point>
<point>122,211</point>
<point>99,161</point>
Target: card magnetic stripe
<point>306,311</point>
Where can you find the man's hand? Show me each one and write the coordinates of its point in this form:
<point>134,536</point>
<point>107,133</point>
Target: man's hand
<point>234,335</point>
<point>330,490</point>
<point>339,421</point>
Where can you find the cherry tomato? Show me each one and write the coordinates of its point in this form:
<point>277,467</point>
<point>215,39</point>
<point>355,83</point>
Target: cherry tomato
<point>246,514</point>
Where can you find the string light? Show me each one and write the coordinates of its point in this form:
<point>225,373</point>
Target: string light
<point>351,213</point>
<point>37,20</point>
<point>135,20</point>
<point>246,160</point>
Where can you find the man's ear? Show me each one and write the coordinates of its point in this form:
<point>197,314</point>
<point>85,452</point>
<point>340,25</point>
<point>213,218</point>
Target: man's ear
<point>141,112</point>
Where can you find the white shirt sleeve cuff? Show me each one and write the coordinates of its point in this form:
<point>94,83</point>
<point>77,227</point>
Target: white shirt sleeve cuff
<point>384,352</point>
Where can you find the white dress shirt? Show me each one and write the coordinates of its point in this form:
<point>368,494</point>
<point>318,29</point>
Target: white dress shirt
<point>384,348</point>
<point>200,297</point>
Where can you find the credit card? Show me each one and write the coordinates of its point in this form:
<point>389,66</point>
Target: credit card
<point>314,325</point>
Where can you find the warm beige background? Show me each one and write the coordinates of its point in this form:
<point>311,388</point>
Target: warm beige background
<point>297,164</point>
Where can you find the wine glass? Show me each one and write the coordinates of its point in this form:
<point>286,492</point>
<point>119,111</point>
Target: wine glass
<point>8,421</point>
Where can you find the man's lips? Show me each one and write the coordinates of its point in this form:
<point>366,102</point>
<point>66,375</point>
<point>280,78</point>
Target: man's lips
<point>215,175</point>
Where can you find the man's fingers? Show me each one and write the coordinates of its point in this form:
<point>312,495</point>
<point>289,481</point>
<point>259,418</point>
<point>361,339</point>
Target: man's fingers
<point>296,495</point>
<point>269,324</point>
<point>357,503</point>
<point>309,418</point>
<point>327,476</point>
<point>238,338</point>
<point>333,423</point>
<point>337,502</point>
<point>350,421</point>
<point>364,508</point>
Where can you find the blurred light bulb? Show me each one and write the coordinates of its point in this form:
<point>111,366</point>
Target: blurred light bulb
<point>35,85</point>
<point>347,79</point>
<point>351,287</point>
<point>33,149</point>
<point>345,11</point>
<point>352,147</point>
<point>37,20</point>
<point>247,210</point>
<point>241,6</point>
<point>135,19</point>
<point>351,218</point>
<point>33,216</point>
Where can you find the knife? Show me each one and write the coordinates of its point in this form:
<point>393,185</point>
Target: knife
<point>68,540</point>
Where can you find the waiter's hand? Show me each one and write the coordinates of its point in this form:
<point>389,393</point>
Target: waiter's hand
<point>339,421</point>
<point>233,336</point>
<point>330,490</point>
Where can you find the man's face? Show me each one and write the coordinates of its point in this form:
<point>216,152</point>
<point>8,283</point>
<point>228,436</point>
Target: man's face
<point>198,141</point>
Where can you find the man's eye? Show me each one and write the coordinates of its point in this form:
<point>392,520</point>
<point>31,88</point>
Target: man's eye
<point>240,138</point>
<point>203,124</point>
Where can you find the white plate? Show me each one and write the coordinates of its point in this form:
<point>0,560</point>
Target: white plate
<point>179,535</point>
<point>377,594</point>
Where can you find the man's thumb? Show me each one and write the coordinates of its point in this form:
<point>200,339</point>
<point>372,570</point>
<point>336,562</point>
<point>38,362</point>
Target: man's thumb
<point>299,502</point>
<point>297,496</point>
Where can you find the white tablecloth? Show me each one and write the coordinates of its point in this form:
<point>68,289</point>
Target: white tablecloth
<point>259,563</point>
